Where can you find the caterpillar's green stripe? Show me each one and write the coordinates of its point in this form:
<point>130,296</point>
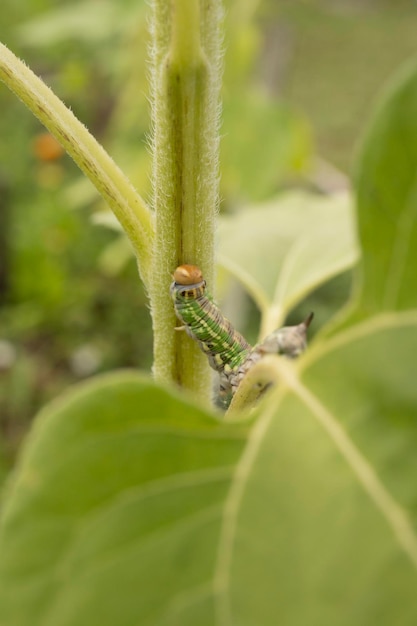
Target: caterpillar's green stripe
<point>204,322</point>
<point>227,350</point>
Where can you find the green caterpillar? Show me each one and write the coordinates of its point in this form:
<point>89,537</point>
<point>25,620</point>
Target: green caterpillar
<point>227,350</point>
<point>204,322</point>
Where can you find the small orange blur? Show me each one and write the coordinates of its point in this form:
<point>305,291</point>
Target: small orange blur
<point>46,148</point>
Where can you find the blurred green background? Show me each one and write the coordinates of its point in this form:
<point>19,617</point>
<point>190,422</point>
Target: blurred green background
<point>299,81</point>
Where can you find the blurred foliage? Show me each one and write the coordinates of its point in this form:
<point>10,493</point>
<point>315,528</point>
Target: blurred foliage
<point>70,303</point>
<point>62,316</point>
<point>338,55</point>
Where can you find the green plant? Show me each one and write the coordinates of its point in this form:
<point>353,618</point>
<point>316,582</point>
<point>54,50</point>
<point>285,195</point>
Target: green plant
<point>132,504</point>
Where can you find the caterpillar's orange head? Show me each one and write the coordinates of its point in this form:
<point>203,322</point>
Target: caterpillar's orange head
<point>188,275</point>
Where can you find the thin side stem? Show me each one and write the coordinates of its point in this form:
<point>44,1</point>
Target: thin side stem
<point>127,205</point>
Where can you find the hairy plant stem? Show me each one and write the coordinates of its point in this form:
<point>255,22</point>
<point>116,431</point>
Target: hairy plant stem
<point>186,83</point>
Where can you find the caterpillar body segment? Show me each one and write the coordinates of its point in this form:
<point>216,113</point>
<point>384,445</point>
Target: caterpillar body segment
<point>204,322</point>
<point>227,350</point>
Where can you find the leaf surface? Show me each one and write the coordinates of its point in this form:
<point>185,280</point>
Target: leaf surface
<point>284,249</point>
<point>133,506</point>
<point>114,516</point>
<point>387,204</point>
<point>329,477</point>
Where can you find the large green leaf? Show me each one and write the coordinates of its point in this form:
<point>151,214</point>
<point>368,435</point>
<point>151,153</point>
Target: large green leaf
<point>321,521</point>
<point>283,249</point>
<point>115,514</point>
<point>387,203</point>
<point>132,506</point>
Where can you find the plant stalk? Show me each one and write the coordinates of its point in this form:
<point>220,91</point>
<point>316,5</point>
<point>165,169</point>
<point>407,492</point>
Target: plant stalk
<point>186,85</point>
